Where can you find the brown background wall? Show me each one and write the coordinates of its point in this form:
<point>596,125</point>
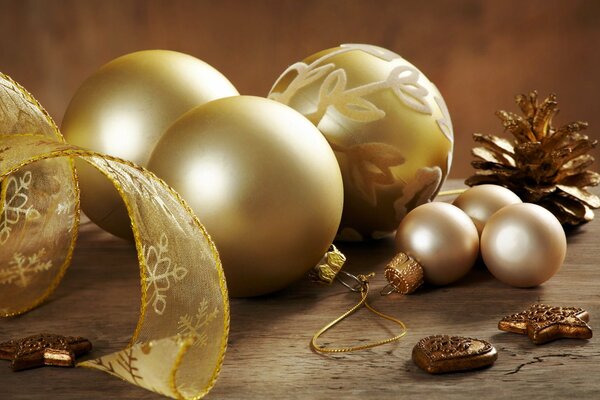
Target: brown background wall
<point>479,53</point>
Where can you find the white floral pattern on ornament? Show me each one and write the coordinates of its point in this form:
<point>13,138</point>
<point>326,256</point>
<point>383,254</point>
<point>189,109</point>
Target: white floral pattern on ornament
<point>402,80</point>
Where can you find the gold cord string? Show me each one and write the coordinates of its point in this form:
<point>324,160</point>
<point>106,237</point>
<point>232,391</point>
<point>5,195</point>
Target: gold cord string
<point>362,287</point>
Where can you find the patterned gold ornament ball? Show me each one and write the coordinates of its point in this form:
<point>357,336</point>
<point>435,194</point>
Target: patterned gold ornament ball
<point>387,124</point>
<point>124,108</point>
<point>264,182</point>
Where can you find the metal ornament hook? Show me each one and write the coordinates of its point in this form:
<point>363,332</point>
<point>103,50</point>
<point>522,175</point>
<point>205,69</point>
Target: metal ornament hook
<point>361,281</point>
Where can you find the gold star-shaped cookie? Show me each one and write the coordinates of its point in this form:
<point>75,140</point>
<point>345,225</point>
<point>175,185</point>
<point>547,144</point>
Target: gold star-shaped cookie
<point>544,323</point>
<point>44,349</point>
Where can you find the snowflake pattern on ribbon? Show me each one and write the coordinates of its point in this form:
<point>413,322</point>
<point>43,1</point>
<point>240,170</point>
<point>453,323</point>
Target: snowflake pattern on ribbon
<point>196,326</point>
<point>21,268</point>
<point>160,273</point>
<point>16,204</point>
<point>123,366</point>
<point>145,187</point>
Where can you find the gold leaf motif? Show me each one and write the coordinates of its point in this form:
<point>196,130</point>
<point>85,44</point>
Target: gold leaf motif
<point>371,164</point>
<point>419,190</point>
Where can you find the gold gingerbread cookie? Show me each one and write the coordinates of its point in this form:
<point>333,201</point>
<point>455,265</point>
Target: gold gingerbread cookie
<point>44,349</point>
<point>544,323</point>
<point>442,353</point>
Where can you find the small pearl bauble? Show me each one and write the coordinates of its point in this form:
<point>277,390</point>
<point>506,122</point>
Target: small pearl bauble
<point>442,239</point>
<point>523,245</point>
<point>481,202</point>
<point>264,182</point>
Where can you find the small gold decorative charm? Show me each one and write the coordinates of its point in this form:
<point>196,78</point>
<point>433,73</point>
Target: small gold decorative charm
<point>44,349</point>
<point>326,271</point>
<point>442,353</point>
<point>404,275</point>
<point>543,323</point>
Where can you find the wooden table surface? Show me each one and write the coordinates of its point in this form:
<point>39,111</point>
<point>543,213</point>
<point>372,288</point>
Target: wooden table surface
<point>269,354</point>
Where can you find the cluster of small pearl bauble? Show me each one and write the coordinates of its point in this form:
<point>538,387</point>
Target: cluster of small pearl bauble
<point>522,244</point>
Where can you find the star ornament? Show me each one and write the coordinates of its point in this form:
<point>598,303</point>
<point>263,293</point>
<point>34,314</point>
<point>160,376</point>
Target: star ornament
<point>543,323</point>
<point>44,349</point>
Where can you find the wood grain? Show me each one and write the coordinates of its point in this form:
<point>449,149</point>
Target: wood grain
<point>479,53</point>
<point>269,355</point>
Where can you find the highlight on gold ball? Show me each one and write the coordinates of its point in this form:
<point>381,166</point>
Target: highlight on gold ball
<point>123,109</point>
<point>264,182</point>
<point>387,124</point>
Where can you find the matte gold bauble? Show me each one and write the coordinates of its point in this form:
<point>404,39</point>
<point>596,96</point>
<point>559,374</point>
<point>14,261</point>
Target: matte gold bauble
<point>122,110</point>
<point>387,123</point>
<point>523,245</point>
<point>263,181</point>
<point>442,239</point>
<point>481,202</point>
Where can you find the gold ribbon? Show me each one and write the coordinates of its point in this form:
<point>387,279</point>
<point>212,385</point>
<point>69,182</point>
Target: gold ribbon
<point>178,345</point>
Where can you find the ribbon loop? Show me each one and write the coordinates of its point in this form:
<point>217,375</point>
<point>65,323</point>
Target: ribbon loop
<point>178,346</point>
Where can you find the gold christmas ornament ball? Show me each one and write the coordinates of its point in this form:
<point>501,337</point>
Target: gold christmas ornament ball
<point>481,202</point>
<point>387,124</point>
<point>523,245</point>
<point>263,181</point>
<point>442,239</point>
<point>123,109</point>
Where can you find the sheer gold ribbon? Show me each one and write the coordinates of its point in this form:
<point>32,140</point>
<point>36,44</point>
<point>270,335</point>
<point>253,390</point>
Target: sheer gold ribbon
<point>178,345</point>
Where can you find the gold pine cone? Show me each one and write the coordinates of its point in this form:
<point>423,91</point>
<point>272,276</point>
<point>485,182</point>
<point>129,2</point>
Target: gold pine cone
<point>541,164</point>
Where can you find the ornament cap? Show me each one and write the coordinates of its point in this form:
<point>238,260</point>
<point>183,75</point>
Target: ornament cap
<point>331,264</point>
<point>404,275</point>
